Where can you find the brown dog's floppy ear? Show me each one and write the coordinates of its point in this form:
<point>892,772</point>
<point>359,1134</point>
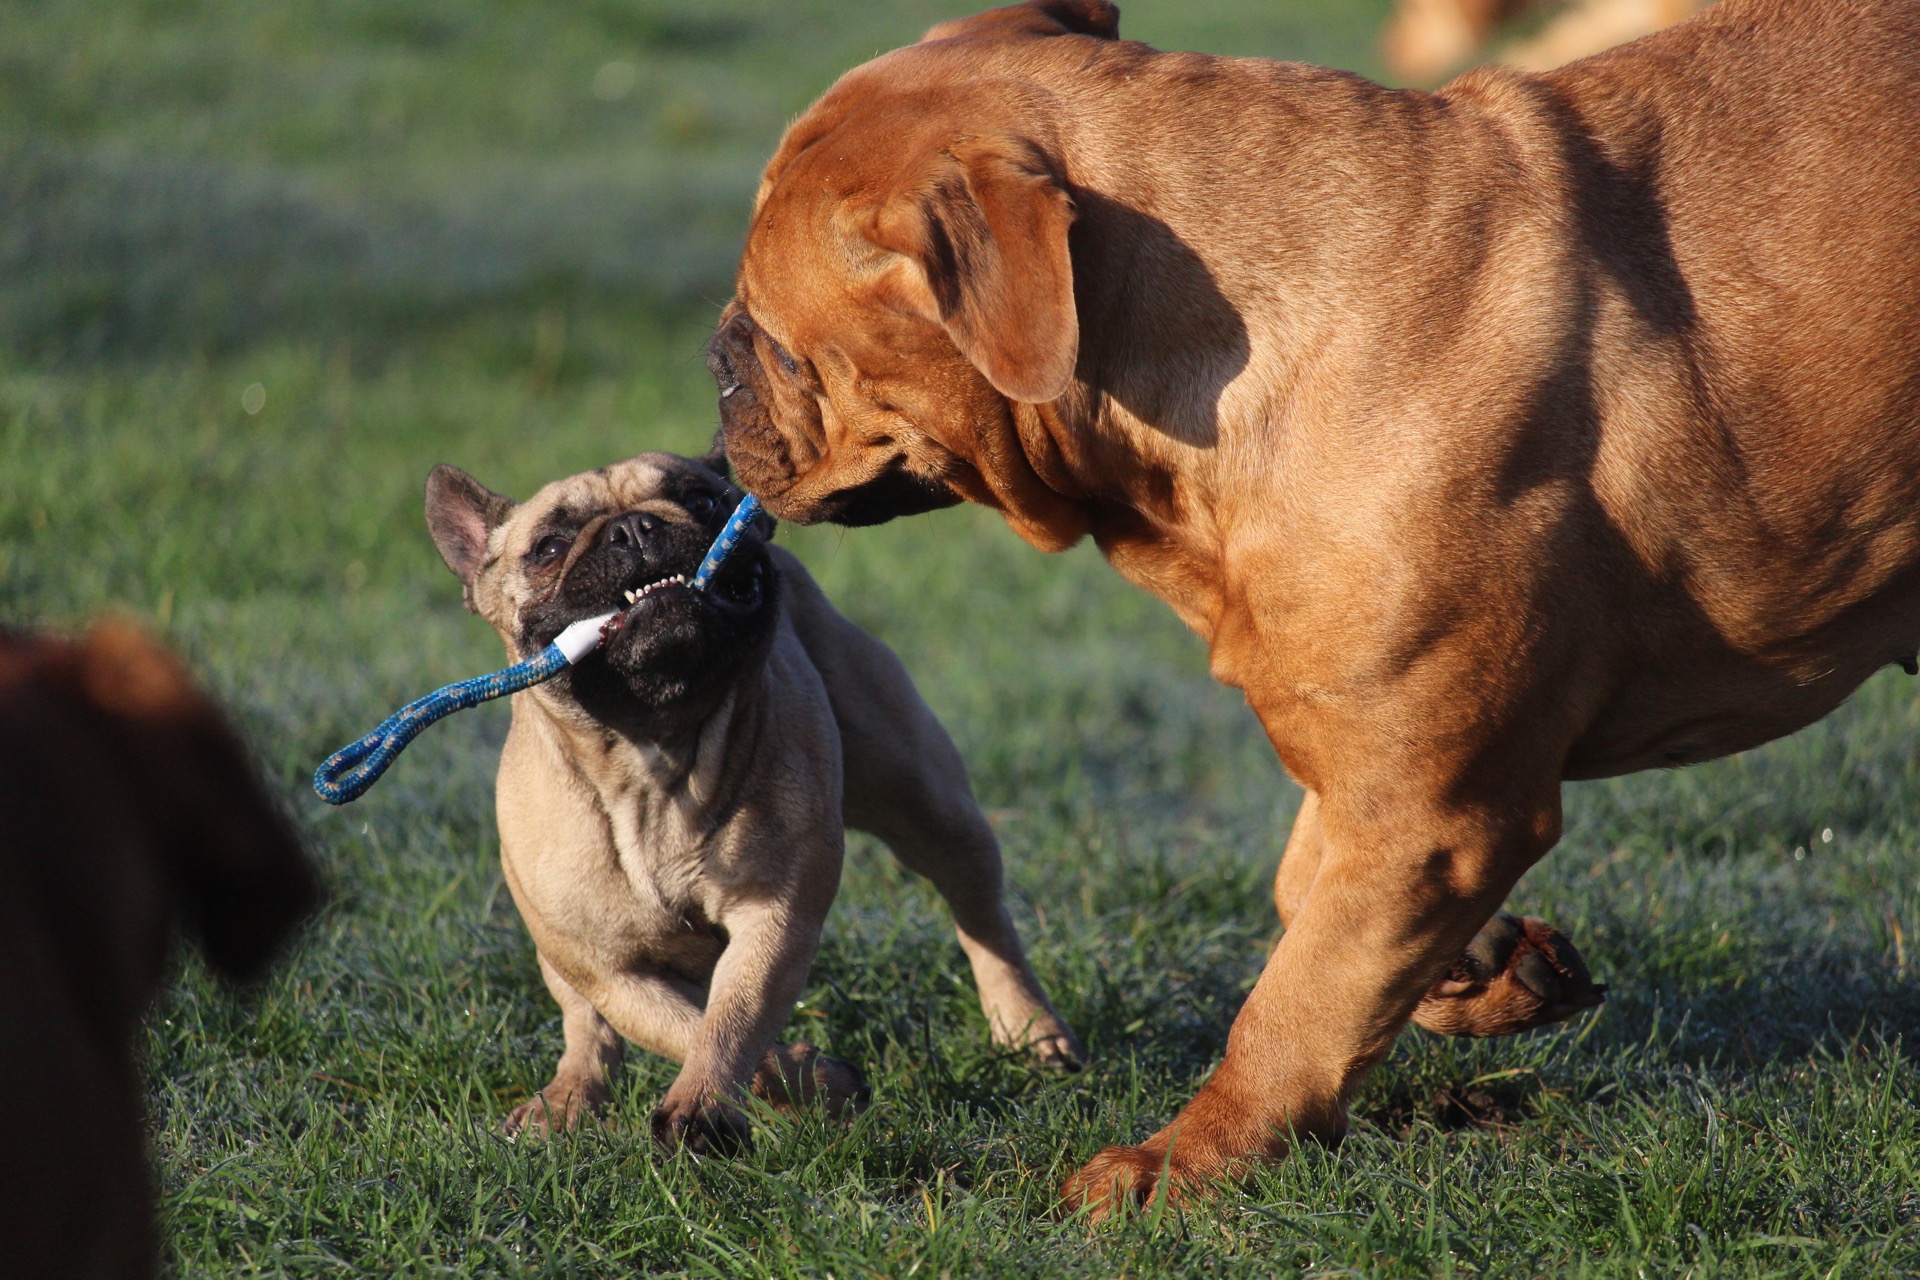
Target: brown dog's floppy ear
<point>239,878</point>
<point>989,239</point>
<point>461,513</point>
<point>1038,18</point>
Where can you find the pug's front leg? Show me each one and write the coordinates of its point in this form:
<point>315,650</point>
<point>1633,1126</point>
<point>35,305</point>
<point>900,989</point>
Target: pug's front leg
<point>579,1085</point>
<point>759,976</point>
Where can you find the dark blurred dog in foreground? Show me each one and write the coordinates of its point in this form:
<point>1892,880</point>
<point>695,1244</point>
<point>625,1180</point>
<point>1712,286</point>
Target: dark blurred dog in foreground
<point>127,806</point>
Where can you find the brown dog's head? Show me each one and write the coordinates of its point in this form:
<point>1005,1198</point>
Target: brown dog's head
<point>906,287</point>
<point>628,537</point>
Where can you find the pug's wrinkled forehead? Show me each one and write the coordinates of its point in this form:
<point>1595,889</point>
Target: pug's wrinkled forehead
<point>672,487</point>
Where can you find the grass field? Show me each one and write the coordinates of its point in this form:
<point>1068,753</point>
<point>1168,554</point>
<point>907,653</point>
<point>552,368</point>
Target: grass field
<point>263,264</point>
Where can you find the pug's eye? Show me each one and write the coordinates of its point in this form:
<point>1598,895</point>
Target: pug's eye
<point>700,506</point>
<point>551,547</point>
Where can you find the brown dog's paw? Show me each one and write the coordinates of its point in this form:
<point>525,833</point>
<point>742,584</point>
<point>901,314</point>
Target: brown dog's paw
<point>1121,1180</point>
<point>703,1126</point>
<point>799,1075</point>
<point>1518,973</point>
<point>556,1109</point>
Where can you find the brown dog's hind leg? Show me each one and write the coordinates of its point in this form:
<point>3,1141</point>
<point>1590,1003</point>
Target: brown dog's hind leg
<point>1401,888</point>
<point>1518,973</point>
<point>579,1085</point>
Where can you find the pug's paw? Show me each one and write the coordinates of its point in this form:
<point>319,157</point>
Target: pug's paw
<point>704,1126</point>
<point>1058,1052</point>
<point>1518,973</point>
<point>558,1107</point>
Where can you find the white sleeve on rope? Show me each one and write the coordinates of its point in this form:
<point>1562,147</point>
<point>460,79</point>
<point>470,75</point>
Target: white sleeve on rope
<point>582,638</point>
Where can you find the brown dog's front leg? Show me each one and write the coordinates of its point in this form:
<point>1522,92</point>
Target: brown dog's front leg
<point>1397,896</point>
<point>1301,861</point>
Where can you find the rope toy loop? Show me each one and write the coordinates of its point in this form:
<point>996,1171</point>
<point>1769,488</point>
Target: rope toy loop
<point>346,775</point>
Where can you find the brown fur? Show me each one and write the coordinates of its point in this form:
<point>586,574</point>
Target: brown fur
<point>126,805</point>
<point>1544,427</point>
<point>675,875</point>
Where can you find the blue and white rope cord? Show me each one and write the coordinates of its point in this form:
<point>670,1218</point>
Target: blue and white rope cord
<point>743,515</point>
<point>347,773</point>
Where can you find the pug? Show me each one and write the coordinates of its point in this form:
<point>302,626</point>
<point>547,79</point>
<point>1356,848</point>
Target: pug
<point>673,808</point>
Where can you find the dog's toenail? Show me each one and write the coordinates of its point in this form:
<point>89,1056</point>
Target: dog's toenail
<point>1534,973</point>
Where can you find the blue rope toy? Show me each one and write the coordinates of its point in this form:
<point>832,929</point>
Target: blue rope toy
<point>346,774</point>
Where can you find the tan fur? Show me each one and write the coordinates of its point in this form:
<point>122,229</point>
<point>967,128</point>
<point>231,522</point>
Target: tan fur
<point>676,888</point>
<point>1544,427</point>
<point>1427,39</point>
<point>127,806</point>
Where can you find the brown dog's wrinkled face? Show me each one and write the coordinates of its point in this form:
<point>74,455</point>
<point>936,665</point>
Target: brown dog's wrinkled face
<point>906,284</point>
<point>626,537</point>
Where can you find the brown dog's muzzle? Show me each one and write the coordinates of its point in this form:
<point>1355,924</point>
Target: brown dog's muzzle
<point>771,462</point>
<point>760,455</point>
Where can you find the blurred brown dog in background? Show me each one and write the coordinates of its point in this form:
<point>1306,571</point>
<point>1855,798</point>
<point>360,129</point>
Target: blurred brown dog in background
<point>127,805</point>
<point>1428,39</point>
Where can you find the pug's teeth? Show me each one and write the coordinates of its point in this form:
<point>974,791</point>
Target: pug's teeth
<point>632,596</point>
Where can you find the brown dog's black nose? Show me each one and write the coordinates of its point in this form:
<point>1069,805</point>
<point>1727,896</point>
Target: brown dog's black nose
<point>628,530</point>
<point>731,343</point>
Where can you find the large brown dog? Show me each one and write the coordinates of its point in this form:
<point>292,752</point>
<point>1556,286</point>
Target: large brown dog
<point>127,806</point>
<point>672,808</point>
<point>1542,427</point>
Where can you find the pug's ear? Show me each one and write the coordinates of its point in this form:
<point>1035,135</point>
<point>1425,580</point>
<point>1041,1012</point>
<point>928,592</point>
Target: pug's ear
<point>1038,18</point>
<point>461,513</point>
<point>984,243</point>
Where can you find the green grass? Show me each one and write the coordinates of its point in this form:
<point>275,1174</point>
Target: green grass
<point>425,237</point>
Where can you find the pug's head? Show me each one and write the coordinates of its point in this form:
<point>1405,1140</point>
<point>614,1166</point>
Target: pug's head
<point>628,537</point>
